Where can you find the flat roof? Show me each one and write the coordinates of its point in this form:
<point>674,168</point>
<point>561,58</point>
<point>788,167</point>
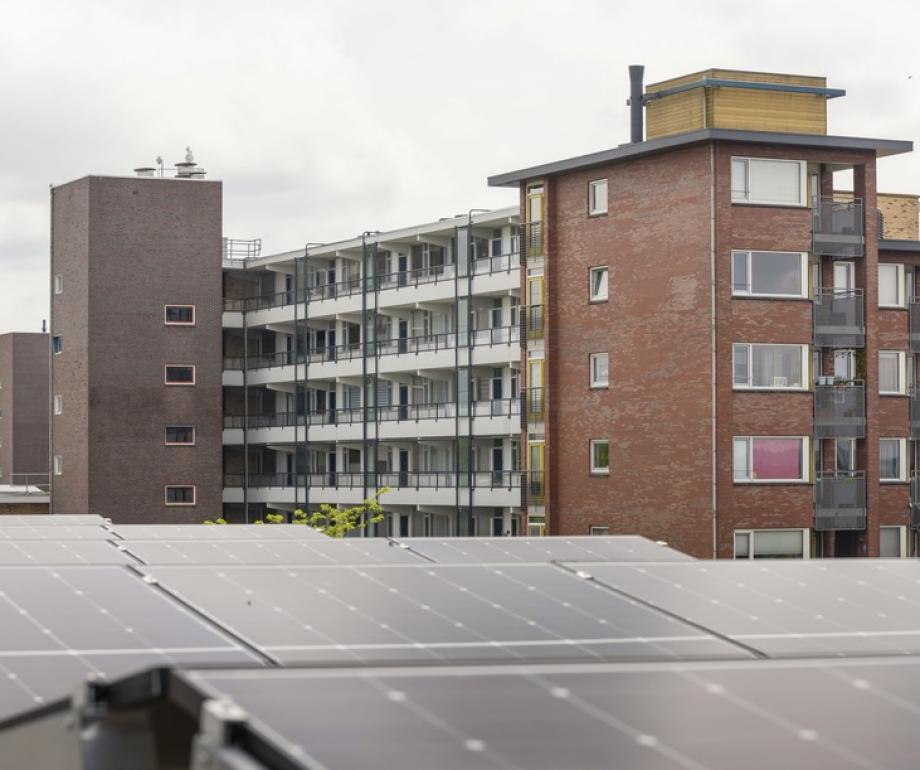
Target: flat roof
<point>882,148</point>
<point>898,245</point>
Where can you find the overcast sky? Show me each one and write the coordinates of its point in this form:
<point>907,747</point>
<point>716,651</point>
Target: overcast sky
<point>325,119</point>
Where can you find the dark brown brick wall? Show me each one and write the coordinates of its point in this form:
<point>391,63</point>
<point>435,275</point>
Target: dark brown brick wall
<point>152,242</point>
<point>24,405</point>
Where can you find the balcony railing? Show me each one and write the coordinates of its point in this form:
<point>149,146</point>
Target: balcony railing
<point>533,236</point>
<point>838,228</point>
<point>915,501</point>
<point>483,479</point>
<point>839,319</point>
<point>532,322</point>
<point>242,249</point>
<point>32,483</point>
<point>915,412</point>
<point>533,488</point>
<point>532,405</point>
<point>840,500</point>
<point>840,410</point>
<point>915,326</point>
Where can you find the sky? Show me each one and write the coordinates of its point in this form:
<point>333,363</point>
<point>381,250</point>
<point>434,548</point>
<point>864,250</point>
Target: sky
<point>325,119</point>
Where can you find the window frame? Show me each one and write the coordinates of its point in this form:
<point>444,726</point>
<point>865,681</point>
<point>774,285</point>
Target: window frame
<point>598,531</point>
<point>593,209</point>
<point>752,535</point>
<point>805,353</point>
<point>805,461</point>
<point>900,286</point>
<point>57,404</point>
<point>902,461</point>
<point>599,298</point>
<point>168,504</point>
<point>804,275</point>
<point>748,200</point>
<point>166,380</point>
<point>902,373</point>
<point>167,442</point>
<point>597,384</point>
<point>57,344</point>
<point>58,465</point>
<point>167,322</point>
<point>59,283</point>
<point>902,540</point>
<point>594,469</point>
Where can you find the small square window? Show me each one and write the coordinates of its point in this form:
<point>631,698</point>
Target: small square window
<point>57,344</point>
<point>58,404</point>
<point>180,495</point>
<point>892,376</point>
<point>597,284</point>
<point>597,197</point>
<point>59,284</point>
<point>892,455</point>
<point>599,370</point>
<point>180,435</point>
<point>180,374</point>
<point>179,315</point>
<point>58,465</point>
<point>600,456</point>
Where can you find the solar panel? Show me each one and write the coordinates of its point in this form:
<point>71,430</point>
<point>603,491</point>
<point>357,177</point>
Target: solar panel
<point>501,550</point>
<point>257,552</point>
<point>52,532</point>
<point>59,624</point>
<point>52,519</point>
<point>761,715</point>
<point>787,608</point>
<point>215,532</point>
<point>63,552</point>
<point>432,613</point>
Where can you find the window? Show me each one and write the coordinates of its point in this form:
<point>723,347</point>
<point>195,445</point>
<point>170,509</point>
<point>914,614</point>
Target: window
<point>180,495</point>
<point>599,370</point>
<point>769,366</point>
<point>770,274</point>
<point>59,284</point>
<point>180,374</point>
<point>845,455</point>
<point>892,375</point>
<point>58,404</point>
<point>179,315</point>
<point>892,459</point>
<point>771,544</point>
<point>600,456</point>
<point>770,459</point>
<point>892,542</point>
<point>597,197</point>
<point>768,182</point>
<point>597,288</point>
<point>57,344</point>
<point>891,285</point>
<point>180,435</point>
<point>58,465</point>
<point>600,531</point>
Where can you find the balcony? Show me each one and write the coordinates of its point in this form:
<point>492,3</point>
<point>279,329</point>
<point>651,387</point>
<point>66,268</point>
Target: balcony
<point>915,326</point>
<point>532,406</point>
<point>840,409</point>
<point>533,235</point>
<point>392,479</point>
<point>837,228</point>
<point>915,502</point>
<point>840,500</point>
<point>839,319</point>
<point>915,413</point>
<point>532,322</point>
<point>533,488</point>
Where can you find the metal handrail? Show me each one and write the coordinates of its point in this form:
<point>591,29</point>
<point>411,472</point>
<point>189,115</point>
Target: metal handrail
<point>478,479</point>
<point>241,249</point>
<point>41,481</point>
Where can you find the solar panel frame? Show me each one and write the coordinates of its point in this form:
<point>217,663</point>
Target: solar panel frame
<point>53,532</point>
<point>52,519</point>
<point>215,532</point>
<point>62,553</point>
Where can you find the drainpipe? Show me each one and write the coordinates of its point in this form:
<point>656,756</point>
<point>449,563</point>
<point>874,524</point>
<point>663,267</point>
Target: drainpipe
<point>712,341</point>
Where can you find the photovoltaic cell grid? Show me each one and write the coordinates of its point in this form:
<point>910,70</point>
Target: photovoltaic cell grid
<point>61,552</point>
<point>786,608</point>
<point>41,531</point>
<point>52,519</point>
<point>264,552</point>
<point>59,625</point>
<point>215,532</point>
<point>433,614</point>
<point>757,716</point>
<point>500,550</point>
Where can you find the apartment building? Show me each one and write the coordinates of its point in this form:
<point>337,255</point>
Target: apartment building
<point>387,360</point>
<point>23,409</point>
<point>135,347</point>
<point>727,328</point>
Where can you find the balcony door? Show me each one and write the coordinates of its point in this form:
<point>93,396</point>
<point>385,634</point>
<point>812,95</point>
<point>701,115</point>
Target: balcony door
<point>845,364</point>
<point>844,277</point>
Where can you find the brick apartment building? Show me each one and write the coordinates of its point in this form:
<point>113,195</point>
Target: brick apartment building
<point>23,409</point>
<point>727,340</point>
<point>705,336</point>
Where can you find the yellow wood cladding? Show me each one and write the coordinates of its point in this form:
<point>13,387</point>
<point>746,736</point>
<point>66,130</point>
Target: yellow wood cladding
<point>900,216</point>
<point>741,108</point>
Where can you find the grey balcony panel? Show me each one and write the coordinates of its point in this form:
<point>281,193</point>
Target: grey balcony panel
<point>915,326</point>
<point>840,410</point>
<point>839,319</point>
<point>840,501</point>
<point>915,414</point>
<point>837,228</point>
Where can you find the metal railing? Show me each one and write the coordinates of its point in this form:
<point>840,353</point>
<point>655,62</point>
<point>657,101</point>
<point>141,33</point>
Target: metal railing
<point>914,412</point>
<point>838,228</point>
<point>242,249</point>
<point>533,488</point>
<point>840,410</point>
<point>533,241</point>
<point>532,405</point>
<point>840,500</point>
<point>839,318</point>
<point>914,333</point>
<point>477,479</point>
<point>914,508</point>
<point>531,322</point>
<point>502,263</point>
<point>34,483</point>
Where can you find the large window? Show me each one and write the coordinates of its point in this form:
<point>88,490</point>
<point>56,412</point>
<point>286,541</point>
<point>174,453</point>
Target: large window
<point>768,182</point>
<point>179,315</point>
<point>599,370</point>
<point>892,542</point>
<point>770,459</point>
<point>770,274</point>
<point>180,374</point>
<point>597,284</point>
<point>769,366</point>
<point>600,456</point>
<point>180,495</point>
<point>892,375</point>
<point>179,435</point>
<point>891,286</point>
<point>892,459</point>
<point>771,544</point>
<point>597,197</point>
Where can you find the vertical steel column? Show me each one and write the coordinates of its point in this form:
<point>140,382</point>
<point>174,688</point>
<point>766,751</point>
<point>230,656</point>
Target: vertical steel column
<point>245,414</point>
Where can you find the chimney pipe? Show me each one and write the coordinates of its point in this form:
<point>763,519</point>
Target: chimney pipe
<point>636,132</point>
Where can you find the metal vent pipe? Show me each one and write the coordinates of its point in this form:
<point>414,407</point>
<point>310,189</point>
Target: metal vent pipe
<point>636,118</point>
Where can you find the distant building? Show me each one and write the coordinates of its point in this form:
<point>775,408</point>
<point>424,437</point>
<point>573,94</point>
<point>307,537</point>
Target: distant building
<point>23,409</point>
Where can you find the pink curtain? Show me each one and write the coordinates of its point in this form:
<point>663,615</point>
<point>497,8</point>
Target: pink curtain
<point>777,458</point>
